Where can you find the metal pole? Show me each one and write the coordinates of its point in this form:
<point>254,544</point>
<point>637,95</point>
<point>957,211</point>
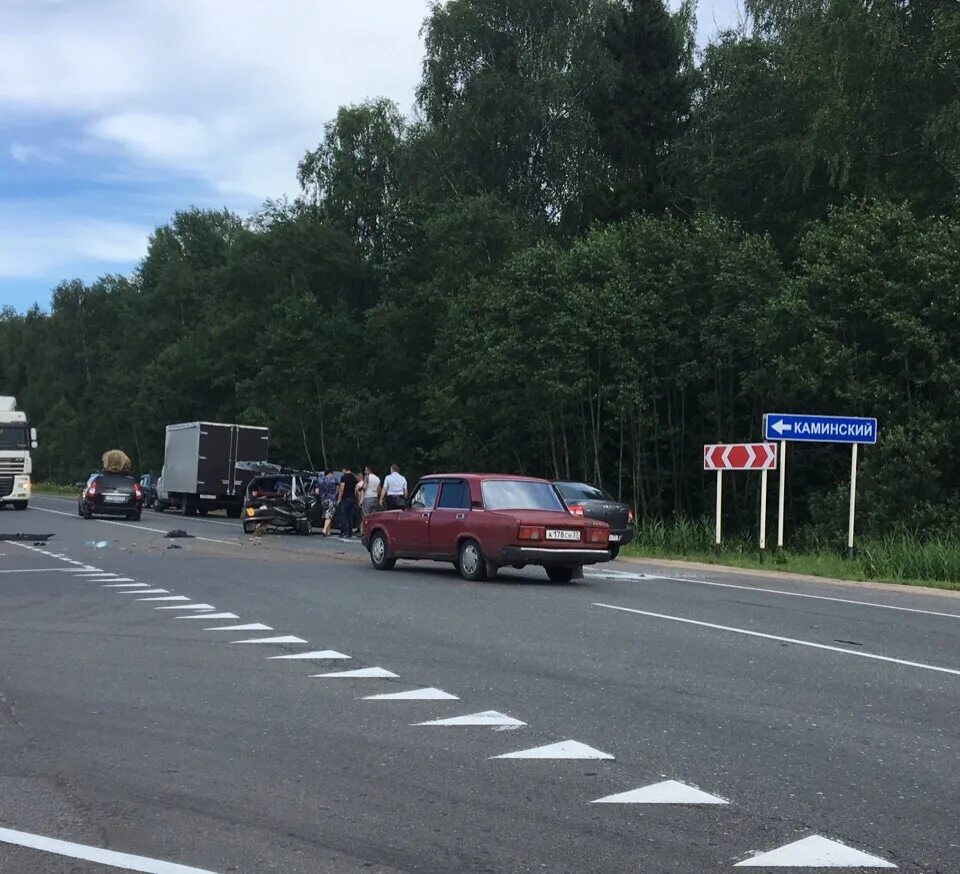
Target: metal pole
<point>763,513</point>
<point>780,496</point>
<point>853,499</point>
<point>716,541</point>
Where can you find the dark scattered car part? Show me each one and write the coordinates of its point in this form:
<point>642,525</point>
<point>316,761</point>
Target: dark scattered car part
<point>21,536</point>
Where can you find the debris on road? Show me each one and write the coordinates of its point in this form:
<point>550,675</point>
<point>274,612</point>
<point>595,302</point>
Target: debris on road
<point>20,536</point>
<point>98,544</point>
<point>177,532</point>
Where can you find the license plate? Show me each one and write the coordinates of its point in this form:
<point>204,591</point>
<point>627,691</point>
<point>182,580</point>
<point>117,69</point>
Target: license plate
<point>115,499</point>
<point>614,538</point>
<point>560,534</point>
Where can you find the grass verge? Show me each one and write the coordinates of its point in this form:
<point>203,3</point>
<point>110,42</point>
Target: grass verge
<point>59,489</point>
<point>900,557</point>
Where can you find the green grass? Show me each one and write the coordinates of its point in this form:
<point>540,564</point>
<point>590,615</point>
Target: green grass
<point>899,557</point>
<point>55,489</point>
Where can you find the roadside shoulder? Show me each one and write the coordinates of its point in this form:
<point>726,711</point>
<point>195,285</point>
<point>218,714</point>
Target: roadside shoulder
<point>730,571</point>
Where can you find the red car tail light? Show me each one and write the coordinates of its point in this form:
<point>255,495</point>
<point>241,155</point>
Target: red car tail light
<point>92,490</point>
<point>598,535</point>
<point>630,515</point>
<point>576,509</point>
<point>137,493</point>
<point>530,532</point>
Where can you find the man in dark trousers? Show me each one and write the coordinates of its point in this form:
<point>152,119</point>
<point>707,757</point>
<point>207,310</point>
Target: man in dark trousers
<point>347,499</point>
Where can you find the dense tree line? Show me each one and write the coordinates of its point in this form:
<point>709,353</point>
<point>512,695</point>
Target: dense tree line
<point>584,255</point>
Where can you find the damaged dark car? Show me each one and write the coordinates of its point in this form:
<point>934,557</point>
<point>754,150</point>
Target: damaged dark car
<point>277,501</point>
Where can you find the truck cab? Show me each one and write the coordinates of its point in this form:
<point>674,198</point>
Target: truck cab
<point>17,438</point>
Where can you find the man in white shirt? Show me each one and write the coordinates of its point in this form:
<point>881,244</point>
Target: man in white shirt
<point>394,493</point>
<point>368,489</point>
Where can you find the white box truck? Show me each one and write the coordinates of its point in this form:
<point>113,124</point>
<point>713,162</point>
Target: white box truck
<point>17,438</point>
<point>200,466</point>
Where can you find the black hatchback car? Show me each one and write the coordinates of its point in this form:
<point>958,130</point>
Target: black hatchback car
<point>110,494</point>
<point>583,499</point>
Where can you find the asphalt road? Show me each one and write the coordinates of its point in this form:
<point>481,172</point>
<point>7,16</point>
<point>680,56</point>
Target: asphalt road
<point>810,708</point>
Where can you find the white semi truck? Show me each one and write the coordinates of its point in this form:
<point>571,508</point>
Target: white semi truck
<point>17,438</point>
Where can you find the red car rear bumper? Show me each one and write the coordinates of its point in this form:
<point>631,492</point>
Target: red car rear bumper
<point>544,555</point>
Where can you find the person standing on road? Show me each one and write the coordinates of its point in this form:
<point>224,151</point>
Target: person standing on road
<point>394,492</point>
<point>371,491</point>
<point>327,495</point>
<point>347,500</point>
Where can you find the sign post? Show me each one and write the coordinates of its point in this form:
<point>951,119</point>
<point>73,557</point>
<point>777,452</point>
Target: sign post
<point>763,514</point>
<point>781,493</point>
<point>853,498</point>
<point>740,456</point>
<point>802,428</point>
<point>717,524</point>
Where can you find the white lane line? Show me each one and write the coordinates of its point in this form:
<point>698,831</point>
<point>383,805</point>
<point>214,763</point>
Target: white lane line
<point>566,749</point>
<point>667,792</point>
<point>284,638</point>
<point>806,595</point>
<point>253,626</point>
<point>111,858</point>
<point>163,597</point>
<point>815,852</point>
<point>491,718</point>
<point>38,570</point>
<point>124,585</point>
<point>113,579</point>
<point>360,674</point>
<point>136,527</point>
<point>318,655</point>
<point>189,607</point>
<point>206,616</point>
<point>143,592</point>
<point>810,643</point>
<point>428,694</point>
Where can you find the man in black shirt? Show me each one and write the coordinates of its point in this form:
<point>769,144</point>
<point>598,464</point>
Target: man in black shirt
<point>347,498</point>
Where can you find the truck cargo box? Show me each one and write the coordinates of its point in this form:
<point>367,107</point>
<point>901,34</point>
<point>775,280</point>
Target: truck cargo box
<point>200,458</point>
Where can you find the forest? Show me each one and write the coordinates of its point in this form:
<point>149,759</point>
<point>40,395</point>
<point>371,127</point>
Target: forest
<point>589,249</point>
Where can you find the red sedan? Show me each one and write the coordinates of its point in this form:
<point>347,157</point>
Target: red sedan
<point>482,522</point>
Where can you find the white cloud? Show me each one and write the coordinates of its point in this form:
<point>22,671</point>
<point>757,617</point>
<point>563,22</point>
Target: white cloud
<point>215,90</point>
<point>109,242</point>
<point>155,136</point>
<point>33,244</point>
<point>215,100</point>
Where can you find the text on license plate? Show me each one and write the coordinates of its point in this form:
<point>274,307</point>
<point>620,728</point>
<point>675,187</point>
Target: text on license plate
<point>561,534</point>
<point>115,499</point>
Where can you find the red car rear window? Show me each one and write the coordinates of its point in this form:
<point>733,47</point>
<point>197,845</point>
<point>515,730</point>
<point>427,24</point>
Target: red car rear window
<point>519,495</point>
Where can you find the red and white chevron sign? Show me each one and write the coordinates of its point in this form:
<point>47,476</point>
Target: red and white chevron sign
<point>740,456</point>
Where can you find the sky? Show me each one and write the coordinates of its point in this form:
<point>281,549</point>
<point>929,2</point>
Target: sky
<point>116,113</point>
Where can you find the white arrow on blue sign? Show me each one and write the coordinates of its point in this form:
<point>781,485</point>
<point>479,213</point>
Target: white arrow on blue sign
<point>819,429</point>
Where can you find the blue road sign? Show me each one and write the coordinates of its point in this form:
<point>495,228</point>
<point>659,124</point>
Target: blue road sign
<point>819,429</point>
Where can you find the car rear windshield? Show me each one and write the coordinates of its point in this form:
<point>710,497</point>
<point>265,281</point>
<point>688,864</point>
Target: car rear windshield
<point>582,492</point>
<point>519,495</point>
<point>116,481</point>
